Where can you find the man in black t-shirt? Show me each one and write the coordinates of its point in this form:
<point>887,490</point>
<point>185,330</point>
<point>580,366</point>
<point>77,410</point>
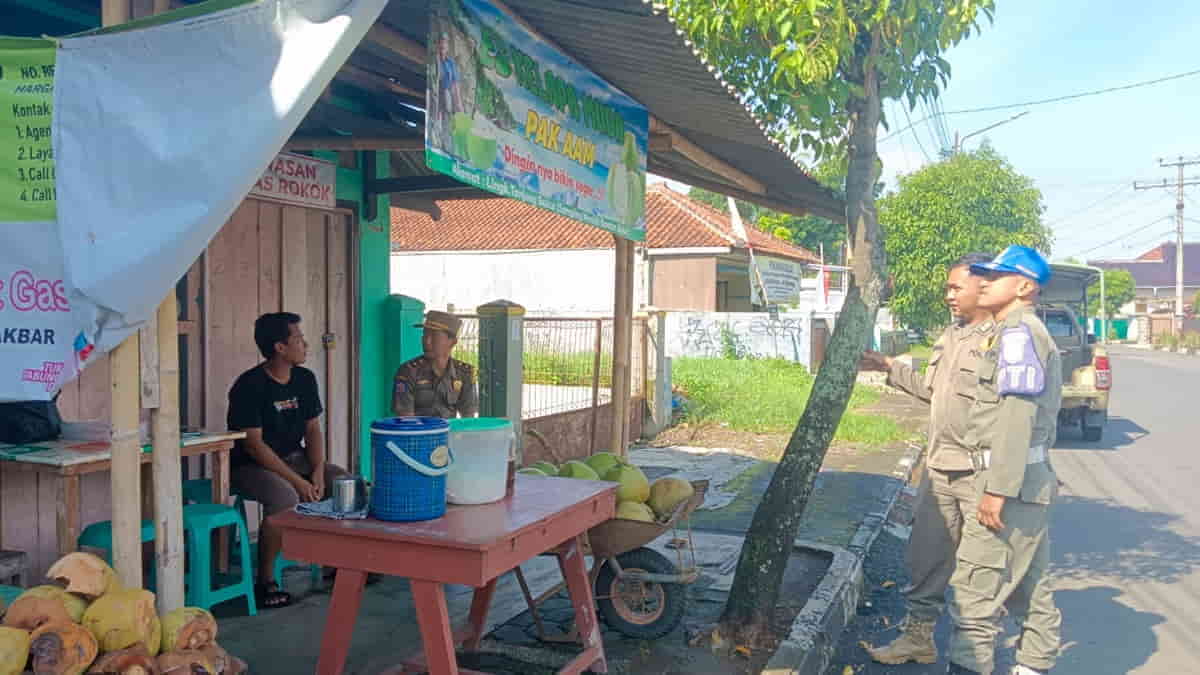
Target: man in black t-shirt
<point>281,462</point>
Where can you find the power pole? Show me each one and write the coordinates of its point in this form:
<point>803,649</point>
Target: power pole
<point>1180,183</point>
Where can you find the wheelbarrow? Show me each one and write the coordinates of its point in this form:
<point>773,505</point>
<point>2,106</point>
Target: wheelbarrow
<point>639,591</point>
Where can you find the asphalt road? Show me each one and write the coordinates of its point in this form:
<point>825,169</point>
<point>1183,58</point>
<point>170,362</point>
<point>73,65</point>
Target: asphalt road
<point>1125,531</point>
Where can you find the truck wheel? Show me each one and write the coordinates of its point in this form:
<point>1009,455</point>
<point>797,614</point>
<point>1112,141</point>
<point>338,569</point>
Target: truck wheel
<point>1092,434</point>
<point>643,610</point>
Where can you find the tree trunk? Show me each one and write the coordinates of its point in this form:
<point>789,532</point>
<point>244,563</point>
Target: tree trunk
<point>748,616</point>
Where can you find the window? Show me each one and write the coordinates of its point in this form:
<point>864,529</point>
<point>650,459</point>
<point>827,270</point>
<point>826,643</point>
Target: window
<point>1059,324</point>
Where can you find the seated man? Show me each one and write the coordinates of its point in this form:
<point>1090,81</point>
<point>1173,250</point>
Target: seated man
<point>433,384</point>
<point>281,462</point>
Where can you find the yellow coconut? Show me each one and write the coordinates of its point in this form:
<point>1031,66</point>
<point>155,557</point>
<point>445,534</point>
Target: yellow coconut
<point>123,618</point>
<point>634,486</point>
<point>14,650</point>
<point>188,628</point>
<point>85,574</point>
<point>62,648</point>
<point>74,604</point>
<point>635,511</point>
<point>667,493</point>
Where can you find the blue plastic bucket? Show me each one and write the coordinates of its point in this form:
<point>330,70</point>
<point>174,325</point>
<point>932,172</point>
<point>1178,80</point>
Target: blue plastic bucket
<point>412,458</point>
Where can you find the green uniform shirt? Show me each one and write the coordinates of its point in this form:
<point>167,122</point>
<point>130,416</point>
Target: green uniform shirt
<point>1014,419</point>
<point>956,356</point>
<point>417,390</point>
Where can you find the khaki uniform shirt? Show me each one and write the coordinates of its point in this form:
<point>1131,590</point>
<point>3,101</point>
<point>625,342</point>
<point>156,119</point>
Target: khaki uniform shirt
<point>955,358</point>
<point>1014,421</point>
<point>417,390</point>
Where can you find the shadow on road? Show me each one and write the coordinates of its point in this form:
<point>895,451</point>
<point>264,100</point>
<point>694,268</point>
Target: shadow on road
<point>1119,432</point>
<point>1118,543</point>
<point>1100,634</point>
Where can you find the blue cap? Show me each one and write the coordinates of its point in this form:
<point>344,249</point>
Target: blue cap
<point>1018,260</point>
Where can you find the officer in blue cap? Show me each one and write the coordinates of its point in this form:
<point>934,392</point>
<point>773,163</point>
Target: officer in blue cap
<point>1005,550</point>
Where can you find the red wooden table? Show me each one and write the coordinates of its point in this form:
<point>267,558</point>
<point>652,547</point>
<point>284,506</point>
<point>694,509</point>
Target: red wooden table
<point>470,545</point>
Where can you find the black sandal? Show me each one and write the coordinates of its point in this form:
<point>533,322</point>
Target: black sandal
<point>269,596</point>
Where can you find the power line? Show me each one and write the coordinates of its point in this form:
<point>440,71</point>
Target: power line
<point>1114,193</point>
<point>1131,232</point>
<point>915,135</point>
<point>1110,219</point>
<point>1045,101</point>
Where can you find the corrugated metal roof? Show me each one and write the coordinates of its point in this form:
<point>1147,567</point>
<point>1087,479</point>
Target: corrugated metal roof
<point>642,52</point>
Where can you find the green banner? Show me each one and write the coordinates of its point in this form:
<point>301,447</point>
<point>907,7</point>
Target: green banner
<point>26,152</point>
<point>509,113</point>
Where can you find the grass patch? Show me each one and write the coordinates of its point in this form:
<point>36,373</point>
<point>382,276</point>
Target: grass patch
<point>562,369</point>
<point>768,395</point>
<point>920,351</point>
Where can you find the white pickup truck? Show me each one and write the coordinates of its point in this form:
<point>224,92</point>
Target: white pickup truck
<point>1087,371</point>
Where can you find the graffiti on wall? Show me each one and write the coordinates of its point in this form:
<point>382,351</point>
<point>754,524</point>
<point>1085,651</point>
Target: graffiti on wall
<point>739,335</point>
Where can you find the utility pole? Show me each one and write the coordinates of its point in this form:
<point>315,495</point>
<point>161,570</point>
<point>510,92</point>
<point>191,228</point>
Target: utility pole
<point>1180,183</point>
<point>958,142</point>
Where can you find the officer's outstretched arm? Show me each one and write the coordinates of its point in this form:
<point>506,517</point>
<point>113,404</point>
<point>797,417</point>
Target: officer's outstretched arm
<point>909,381</point>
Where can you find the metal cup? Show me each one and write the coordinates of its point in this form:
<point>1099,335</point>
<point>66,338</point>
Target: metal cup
<point>346,497</point>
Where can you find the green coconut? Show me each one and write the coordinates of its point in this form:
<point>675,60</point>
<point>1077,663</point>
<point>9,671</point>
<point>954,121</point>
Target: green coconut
<point>601,462</point>
<point>481,150</point>
<point>462,124</point>
<point>545,467</point>
<point>577,469</point>
<point>530,471</point>
<point>635,511</point>
<point>634,487</point>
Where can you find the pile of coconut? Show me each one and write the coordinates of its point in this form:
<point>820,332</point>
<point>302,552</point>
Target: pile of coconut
<point>637,497</point>
<point>85,621</point>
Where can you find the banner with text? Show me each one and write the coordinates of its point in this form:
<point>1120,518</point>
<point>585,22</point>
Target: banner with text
<point>510,114</point>
<point>105,203</point>
<point>781,279</point>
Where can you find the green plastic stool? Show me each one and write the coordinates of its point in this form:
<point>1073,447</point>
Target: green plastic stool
<point>199,522</point>
<point>10,593</point>
<point>99,535</point>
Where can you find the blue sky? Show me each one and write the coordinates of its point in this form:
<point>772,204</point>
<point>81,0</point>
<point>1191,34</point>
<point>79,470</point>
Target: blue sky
<point>1089,150</point>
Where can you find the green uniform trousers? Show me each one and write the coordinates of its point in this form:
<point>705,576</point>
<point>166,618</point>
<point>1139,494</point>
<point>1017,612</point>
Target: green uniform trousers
<point>945,499</point>
<point>1006,569</point>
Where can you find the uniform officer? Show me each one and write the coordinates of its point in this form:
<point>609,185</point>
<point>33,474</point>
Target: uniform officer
<point>1005,549</point>
<point>946,495</point>
<point>433,384</point>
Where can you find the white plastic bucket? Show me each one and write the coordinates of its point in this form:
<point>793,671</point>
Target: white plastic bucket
<point>481,448</point>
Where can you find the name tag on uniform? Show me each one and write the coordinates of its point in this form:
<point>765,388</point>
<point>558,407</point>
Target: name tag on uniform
<point>421,382</point>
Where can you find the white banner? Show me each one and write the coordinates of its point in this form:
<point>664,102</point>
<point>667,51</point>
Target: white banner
<point>159,131</point>
<point>781,278</point>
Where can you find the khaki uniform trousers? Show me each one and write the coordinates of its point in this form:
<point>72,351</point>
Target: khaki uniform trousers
<point>945,499</point>
<point>1006,569</point>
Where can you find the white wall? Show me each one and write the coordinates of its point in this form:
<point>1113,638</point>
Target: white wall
<point>753,333</point>
<point>557,282</point>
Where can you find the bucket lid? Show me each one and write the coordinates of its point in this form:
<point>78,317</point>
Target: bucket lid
<point>479,424</point>
<point>409,424</point>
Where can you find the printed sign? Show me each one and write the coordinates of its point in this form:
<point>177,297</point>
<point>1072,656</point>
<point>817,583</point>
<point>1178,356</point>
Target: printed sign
<point>781,278</point>
<point>26,155</point>
<point>510,114</point>
<point>296,179</point>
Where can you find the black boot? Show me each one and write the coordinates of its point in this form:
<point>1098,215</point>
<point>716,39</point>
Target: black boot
<point>955,669</point>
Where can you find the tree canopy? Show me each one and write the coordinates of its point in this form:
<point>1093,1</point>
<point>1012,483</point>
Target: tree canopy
<point>816,73</point>
<point>1119,289</point>
<point>973,202</point>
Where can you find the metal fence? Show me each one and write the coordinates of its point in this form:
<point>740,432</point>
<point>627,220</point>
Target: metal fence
<point>567,361</point>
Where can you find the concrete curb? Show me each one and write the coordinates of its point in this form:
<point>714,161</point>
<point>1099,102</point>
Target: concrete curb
<point>810,645</point>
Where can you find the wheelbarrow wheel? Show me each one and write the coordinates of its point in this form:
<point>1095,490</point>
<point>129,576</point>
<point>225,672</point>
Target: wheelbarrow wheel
<point>645,610</point>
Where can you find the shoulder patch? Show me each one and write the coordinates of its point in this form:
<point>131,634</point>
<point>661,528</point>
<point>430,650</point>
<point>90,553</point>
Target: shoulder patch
<point>1019,370</point>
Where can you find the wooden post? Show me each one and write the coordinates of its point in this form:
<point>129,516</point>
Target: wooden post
<point>627,384</point>
<point>596,384</point>
<point>620,367</point>
<point>167,465</point>
<point>125,474</point>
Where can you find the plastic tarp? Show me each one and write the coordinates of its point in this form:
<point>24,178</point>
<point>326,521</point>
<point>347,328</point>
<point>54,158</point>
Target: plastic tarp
<point>159,130</point>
